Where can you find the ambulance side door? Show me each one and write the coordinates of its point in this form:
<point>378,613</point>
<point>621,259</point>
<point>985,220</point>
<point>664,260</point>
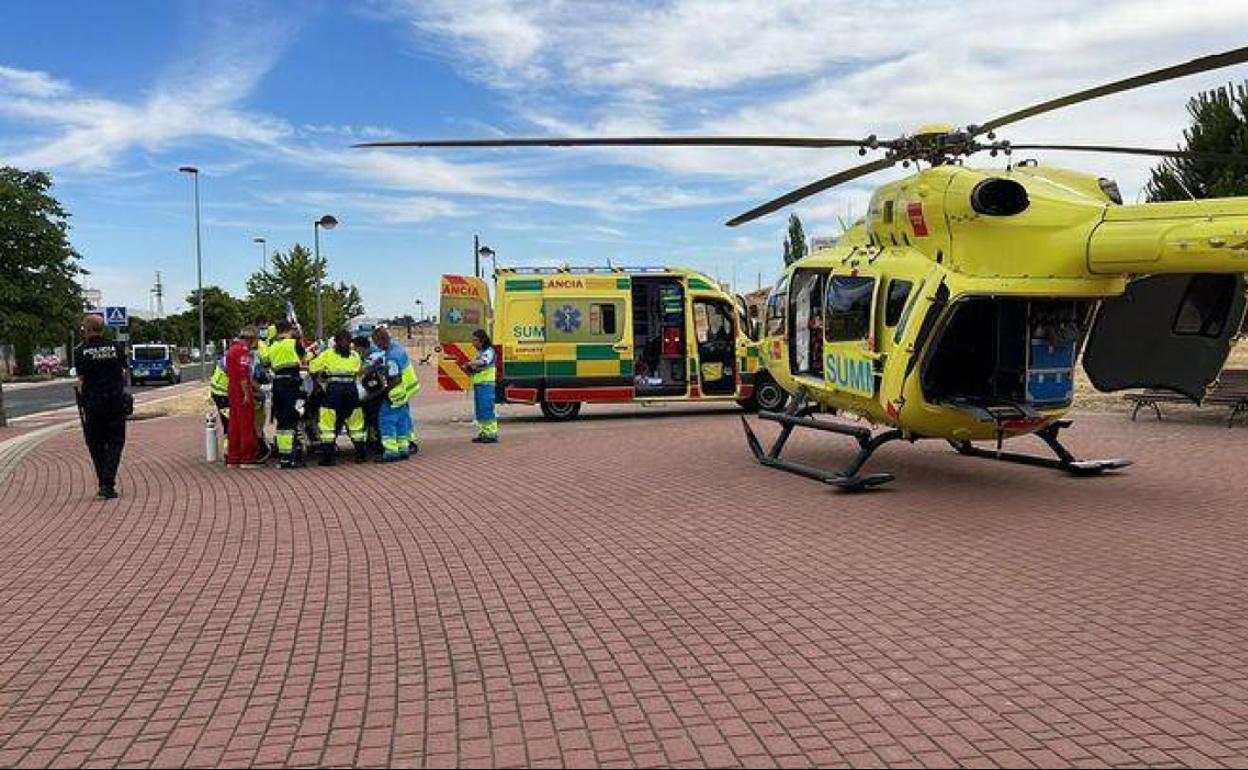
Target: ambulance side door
<point>588,336</point>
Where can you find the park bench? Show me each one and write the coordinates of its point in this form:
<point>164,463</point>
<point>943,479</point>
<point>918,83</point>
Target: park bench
<point>1230,390</point>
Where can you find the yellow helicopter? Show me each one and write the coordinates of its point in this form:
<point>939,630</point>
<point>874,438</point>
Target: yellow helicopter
<point>958,307</point>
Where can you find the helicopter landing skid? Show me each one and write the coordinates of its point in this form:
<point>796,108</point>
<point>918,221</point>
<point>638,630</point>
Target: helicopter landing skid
<point>1065,461</point>
<point>798,416</point>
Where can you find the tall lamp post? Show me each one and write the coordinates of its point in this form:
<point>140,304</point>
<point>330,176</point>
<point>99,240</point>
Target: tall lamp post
<point>420,316</point>
<point>329,223</point>
<point>264,252</point>
<point>488,253</point>
<point>199,275</point>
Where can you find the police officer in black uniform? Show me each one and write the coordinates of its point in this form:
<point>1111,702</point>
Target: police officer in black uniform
<point>102,374</point>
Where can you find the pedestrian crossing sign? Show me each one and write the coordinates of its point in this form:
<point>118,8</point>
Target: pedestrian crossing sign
<point>116,317</point>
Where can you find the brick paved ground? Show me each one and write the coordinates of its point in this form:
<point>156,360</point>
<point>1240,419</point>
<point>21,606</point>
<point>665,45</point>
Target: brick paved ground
<point>632,592</point>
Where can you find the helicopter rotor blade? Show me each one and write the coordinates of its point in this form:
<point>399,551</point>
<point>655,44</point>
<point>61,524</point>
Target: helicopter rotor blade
<point>635,141</point>
<point>1217,157</point>
<point>814,187</point>
<point>1203,64</point>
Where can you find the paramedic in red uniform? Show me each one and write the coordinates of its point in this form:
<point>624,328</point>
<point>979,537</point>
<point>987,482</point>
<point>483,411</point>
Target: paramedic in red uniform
<point>242,431</point>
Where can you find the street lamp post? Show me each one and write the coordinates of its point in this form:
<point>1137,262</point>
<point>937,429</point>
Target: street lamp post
<point>420,316</point>
<point>329,223</point>
<point>488,253</point>
<point>199,275</point>
<point>264,252</point>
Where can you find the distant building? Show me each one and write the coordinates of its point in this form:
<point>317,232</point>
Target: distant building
<point>756,304</point>
<point>823,241</point>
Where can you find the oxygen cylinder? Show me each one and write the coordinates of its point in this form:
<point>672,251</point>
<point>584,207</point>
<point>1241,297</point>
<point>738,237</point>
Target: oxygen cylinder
<point>210,438</point>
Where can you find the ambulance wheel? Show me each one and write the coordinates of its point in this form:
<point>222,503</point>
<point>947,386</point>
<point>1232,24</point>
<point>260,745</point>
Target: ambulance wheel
<point>768,396</point>
<point>560,411</point>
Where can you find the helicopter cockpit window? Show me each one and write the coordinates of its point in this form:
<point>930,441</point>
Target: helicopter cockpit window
<point>1206,305</point>
<point>898,293</point>
<point>848,308</point>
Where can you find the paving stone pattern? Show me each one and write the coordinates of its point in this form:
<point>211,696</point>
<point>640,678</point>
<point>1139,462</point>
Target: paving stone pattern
<point>626,592</point>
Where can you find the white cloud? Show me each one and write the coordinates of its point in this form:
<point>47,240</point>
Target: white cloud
<point>31,83</point>
<point>369,207</point>
<point>789,67</point>
<point>808,67</point>
<point>502,35</point>
<point>197,99</point>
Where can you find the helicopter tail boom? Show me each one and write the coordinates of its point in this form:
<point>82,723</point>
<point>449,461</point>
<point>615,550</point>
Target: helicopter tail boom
<point>1197,236</point>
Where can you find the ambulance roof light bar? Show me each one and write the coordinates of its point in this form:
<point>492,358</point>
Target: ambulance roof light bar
<point>587,269</point>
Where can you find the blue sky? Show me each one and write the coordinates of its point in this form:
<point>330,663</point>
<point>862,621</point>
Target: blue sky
<point>267,97</point>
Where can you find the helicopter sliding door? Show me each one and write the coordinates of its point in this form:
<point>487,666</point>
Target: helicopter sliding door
<point>1166,331</point>
<point>806,322</point>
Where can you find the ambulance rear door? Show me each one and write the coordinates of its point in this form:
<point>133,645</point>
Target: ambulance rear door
<point>464,307</point>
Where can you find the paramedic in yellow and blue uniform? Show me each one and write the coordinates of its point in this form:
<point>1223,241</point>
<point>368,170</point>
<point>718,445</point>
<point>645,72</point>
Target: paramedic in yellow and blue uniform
<point>484,370</point>
<point>398,435</point>
<point>338,369</point>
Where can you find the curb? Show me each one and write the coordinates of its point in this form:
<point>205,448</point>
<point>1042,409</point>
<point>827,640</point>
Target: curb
<point>70,413</point>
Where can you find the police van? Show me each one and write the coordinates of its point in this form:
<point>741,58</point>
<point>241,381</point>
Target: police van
<point>154,362</point>
<point>570,336</point>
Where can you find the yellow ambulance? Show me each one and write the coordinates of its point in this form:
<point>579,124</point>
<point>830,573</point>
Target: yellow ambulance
<point>570,336</point>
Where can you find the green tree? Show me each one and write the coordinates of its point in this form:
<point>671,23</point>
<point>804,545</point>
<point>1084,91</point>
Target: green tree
<point>795,243</point>
<point>145,331</point>
<point>1219,124</point>
<point>223,313</point>
<point>294,277</point>
<point>40,299</point>
<point>347,304</point>
<point>291,277</point>
<point>180,329</point>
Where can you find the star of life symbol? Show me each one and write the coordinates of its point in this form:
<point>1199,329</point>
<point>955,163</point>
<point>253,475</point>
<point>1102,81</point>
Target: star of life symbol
<point>455,315</point>
<point>567,319</point>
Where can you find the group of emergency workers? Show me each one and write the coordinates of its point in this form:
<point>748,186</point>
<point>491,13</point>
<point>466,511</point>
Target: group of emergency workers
<point>361,384</point>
